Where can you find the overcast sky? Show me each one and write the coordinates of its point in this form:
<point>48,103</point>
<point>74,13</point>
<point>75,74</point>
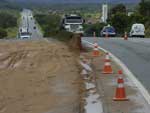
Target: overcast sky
<point>79,1</point>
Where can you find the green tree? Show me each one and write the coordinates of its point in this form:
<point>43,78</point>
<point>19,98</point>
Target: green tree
<point>120,22</point>
<point>90,28</point>
<point>144,8</point>
<point>3,33</point>
<point>7,20</point>
<point>119,8</point>
<point>136,18</point>
<point>50,23</point>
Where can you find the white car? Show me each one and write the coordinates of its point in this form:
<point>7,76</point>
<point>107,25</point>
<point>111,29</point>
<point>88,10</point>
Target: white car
<point>137,30</point>
<point>25,35</point>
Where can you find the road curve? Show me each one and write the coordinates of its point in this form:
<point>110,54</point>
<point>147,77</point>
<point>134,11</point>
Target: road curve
<point>134,53</point>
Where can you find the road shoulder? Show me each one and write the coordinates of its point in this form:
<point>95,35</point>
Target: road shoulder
<point>107,84</point>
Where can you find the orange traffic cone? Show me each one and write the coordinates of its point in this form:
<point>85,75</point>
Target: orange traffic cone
<point>120,90</point>
<point>94,34</point>
<point>120,78</point>
<point>125,36</point>
<point>107,58</point>
<point>107,67</point>
<point>106,35</point>
<point>96,52</point>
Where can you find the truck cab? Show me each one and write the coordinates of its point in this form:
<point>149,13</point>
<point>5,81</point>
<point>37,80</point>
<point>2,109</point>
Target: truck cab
<point>73,23</point>
<point>24,33</point>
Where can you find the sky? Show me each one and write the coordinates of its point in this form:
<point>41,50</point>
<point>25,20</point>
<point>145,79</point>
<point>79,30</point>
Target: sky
<point>80,1</point>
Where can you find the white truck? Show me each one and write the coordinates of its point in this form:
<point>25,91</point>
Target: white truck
<point>137,30</point>
<point>24,33</point>
<point>73,23</point>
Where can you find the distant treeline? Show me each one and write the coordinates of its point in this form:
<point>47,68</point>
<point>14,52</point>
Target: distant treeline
<point>9,14</point>
<point>50,25</point>
<point>7,21</point>
<point>121,21</point>
<point>4,4</point>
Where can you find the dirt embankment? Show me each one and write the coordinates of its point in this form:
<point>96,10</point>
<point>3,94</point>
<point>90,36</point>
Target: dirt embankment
<point>38,77</point>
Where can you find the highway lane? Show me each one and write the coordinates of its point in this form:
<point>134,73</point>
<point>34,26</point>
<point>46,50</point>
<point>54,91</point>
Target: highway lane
<point>28,21</point>
<point>134,53</point>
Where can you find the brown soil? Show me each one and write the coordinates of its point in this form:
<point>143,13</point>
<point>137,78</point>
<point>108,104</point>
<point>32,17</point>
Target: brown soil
<point>38,77</point>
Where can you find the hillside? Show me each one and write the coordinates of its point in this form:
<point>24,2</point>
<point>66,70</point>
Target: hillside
<point>6,4</point>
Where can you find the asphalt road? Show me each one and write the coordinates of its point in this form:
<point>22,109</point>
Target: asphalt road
<point>134,53</point>
<point>28,21</point>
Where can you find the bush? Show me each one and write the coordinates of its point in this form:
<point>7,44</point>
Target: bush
<point>144,8</point>
<point>136,18</point>
<point>119,8</point>
<point>7,20</point>
<point>90,28</point>
<point>120,22</point>
<point>49,23</point>
<point>63,35</point>
<point>3,33</point>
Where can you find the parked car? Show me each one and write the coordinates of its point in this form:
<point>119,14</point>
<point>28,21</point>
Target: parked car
<point>137,30</point>
<point>108,30</point>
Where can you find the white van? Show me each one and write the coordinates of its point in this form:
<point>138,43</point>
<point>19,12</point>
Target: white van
<point>137,30</point>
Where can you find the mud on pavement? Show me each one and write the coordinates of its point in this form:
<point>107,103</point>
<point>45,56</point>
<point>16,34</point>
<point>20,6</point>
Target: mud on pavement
<point>38,77</point>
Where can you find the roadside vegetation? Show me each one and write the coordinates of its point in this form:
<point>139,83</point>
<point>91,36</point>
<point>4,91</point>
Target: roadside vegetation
<point>9,20</point>
<point>50,24</point>
<point>49,17</point>
<point>121,21</point>
<point>8,24</point>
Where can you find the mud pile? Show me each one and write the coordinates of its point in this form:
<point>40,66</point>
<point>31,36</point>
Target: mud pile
<point>38,77</point>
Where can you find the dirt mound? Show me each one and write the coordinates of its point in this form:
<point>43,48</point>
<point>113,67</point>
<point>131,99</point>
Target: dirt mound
<point>75,42</point>
<point>38,77</point>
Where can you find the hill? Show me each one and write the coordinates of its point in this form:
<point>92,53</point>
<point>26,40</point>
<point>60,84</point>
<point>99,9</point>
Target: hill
<point>6,4</point>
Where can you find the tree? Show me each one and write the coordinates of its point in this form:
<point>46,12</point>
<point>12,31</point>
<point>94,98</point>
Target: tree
<point>136,18</point>
<point>7,20</point>
<point>97,27</point>
<point>120,8</point>
<point>144,8</point>
<point>3,33</point>
<point>120,22</point>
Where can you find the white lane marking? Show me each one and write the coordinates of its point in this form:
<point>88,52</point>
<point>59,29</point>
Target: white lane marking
<point>129,74</point>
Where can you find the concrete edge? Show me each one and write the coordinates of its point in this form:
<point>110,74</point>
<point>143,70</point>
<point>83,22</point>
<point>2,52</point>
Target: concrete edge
<point>129,74</point>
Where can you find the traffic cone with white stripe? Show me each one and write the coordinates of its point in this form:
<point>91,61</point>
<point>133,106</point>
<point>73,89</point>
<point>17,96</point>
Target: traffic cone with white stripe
<point>106,35</point>
<point>125,36</point>
<point>96,51</point>
<point>120,90</point>
<point>94,34</point>
<point>120,78</point>
<point>107,58</point>
<point>107,66</point>
<point>85,74</point>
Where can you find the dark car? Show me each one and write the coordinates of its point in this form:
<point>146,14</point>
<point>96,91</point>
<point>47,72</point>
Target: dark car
<point>108,30</point>
<point>34,27</point>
